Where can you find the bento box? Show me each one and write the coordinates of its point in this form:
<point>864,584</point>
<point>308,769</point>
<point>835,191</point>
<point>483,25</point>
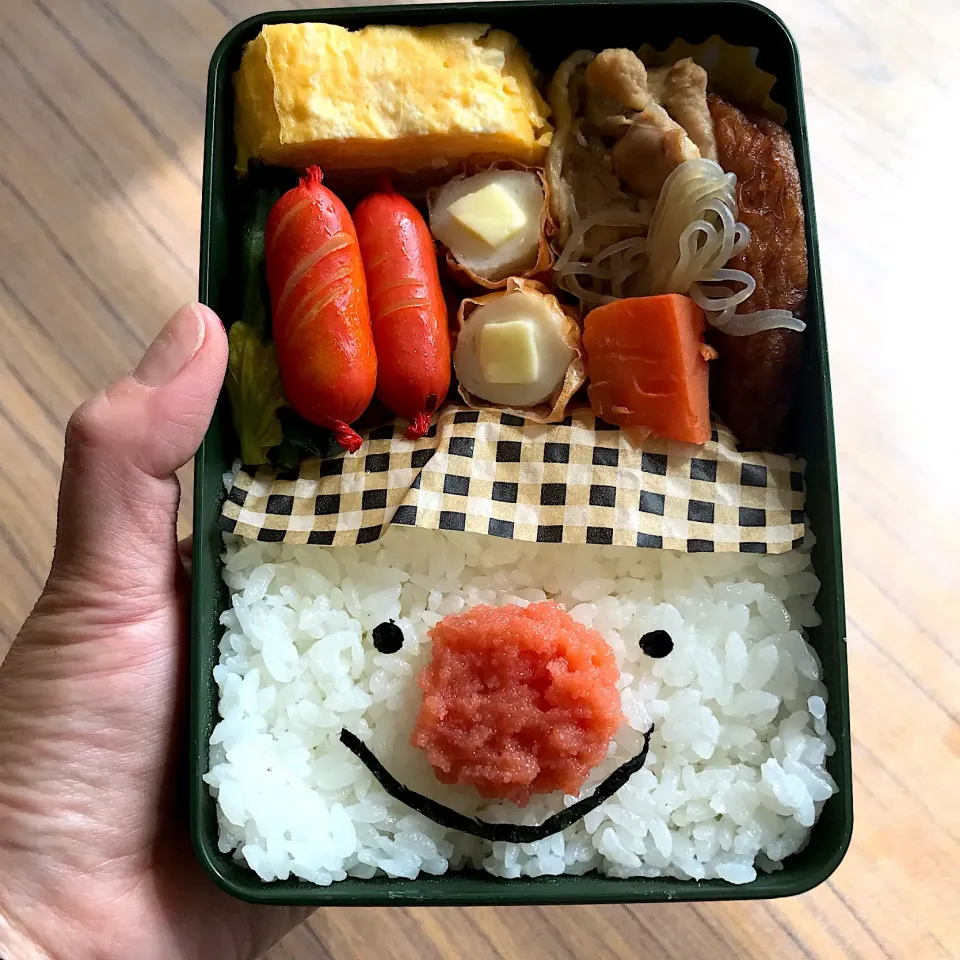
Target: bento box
<point>549,31</point>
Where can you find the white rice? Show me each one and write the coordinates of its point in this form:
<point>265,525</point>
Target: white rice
<point>734,780</point>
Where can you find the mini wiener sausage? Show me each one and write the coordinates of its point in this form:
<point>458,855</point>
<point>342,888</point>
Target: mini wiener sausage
<point>407,307</point>
<point>321,317</point>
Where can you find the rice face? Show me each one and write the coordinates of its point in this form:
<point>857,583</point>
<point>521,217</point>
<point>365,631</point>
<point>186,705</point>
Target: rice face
<point>734,780</point>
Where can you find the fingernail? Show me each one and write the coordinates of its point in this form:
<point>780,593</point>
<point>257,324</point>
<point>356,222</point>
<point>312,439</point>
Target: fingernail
<point>176,345</point>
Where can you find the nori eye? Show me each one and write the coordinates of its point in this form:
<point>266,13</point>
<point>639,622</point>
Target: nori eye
<point>387,637</point>
<point>656,644</point>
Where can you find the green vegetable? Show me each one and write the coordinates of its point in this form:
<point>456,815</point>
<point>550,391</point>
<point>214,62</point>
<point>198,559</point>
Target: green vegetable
<point>256,392</point>
<point>301,439</point>
<point>255,309</point>
<point>253,373</point>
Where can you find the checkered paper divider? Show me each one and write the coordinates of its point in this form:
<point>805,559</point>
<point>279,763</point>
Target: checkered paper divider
<point>578,481</point>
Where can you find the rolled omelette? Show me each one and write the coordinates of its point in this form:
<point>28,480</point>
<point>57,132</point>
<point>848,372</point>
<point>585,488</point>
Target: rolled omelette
<point>401,98</point>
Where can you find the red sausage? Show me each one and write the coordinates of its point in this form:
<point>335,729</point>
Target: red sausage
<point>321,318</point>
<point>407,306</point>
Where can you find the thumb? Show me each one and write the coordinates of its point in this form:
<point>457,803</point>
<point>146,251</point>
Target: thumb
<point>116,526</point>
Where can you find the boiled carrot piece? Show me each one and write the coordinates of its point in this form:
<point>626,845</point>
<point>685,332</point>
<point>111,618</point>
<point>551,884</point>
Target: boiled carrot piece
<point>647,366</point>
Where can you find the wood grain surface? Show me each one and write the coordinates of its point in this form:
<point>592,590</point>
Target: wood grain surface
<point>101,139</point>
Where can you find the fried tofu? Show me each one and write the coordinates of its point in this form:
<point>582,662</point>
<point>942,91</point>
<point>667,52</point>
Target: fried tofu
<point>754,381</point>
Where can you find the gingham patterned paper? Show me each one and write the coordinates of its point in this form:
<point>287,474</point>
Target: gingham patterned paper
<point>578,481</point>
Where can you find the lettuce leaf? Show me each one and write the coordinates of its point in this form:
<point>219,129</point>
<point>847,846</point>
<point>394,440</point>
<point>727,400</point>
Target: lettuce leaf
<point>256,392</point>
<point>262,188</point>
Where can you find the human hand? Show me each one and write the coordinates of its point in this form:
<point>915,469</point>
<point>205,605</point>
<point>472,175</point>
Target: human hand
<point>95,859</point>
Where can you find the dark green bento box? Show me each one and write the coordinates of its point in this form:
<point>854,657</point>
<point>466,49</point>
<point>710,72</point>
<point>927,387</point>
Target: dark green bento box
<point>549,31</point>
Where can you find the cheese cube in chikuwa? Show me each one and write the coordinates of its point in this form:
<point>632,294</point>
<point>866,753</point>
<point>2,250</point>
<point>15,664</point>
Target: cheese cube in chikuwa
<point>508,352</point>
<point>490,213</point>
<point>405,98</point>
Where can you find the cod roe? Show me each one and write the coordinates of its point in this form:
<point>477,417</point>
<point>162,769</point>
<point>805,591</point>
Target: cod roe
<point>517,701</point>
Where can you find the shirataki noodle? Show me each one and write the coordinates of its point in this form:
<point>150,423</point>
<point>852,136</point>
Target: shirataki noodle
<point>682,246</point>
<point>693,235</point>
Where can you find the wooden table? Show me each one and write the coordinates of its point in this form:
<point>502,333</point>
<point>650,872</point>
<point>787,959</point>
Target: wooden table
<point>101,139</point>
